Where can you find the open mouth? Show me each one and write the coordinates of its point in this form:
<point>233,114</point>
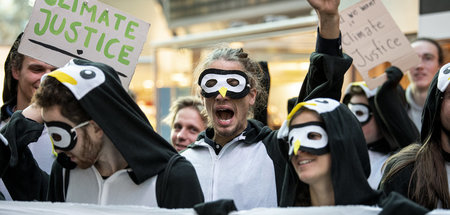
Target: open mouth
<point>224,115</point>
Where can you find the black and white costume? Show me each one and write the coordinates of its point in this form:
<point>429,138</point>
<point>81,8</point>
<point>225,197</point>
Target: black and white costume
<point>156,174</point>
<point>350,164</point>
<point>403,180</point>
<point>250,168</point>
<point>390,114</point>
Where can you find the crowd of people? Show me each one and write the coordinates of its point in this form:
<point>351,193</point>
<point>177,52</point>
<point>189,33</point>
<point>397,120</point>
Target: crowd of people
<point>74,134</point>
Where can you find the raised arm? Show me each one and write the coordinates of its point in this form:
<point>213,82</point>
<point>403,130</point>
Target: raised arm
<point>327,64</point>
<point>22,176</point>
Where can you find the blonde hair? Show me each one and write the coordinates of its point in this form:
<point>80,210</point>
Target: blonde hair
<point>251,68</point>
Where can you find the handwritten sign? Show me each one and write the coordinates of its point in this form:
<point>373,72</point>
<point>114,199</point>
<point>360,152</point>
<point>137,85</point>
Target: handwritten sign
<point>59,30</point>
<point>371,37</point>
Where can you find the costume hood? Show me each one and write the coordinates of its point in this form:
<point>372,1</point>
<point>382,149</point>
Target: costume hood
<point>98,89</point>
<point>350,164</point>
<point>389,142</point>
<point>431,123</point>
<point>9,83</point>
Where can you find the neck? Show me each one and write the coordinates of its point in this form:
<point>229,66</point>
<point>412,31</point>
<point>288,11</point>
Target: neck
<point>322,194</point>
<point>419,95</point>
<point>22,102</point>
<point>224,138</point>
<point>110,160</point>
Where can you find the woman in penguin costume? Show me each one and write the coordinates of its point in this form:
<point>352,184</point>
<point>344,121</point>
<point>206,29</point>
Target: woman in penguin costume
<point>328,154</point>
<point>421,172</point>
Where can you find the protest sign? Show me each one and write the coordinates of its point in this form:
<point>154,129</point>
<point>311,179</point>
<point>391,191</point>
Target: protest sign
<point>59,30</point>
<point>371,37</point>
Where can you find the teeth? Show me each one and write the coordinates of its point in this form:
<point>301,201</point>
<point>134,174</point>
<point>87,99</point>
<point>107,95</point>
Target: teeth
<point>224,120</point>
<point>304,162</point>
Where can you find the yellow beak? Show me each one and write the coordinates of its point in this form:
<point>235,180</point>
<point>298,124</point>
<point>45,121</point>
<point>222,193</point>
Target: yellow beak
<point>63,77</point>
<point>296,147</point>
<point>223,91</point>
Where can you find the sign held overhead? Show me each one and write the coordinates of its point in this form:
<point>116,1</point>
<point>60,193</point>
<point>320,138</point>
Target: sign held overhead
<point>59,30</point>
<point>371,37</point>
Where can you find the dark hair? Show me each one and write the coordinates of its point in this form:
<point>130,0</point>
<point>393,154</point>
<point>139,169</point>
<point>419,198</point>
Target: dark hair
<point>435,43</point>
<point>54,93</point>
<point>14,60</point>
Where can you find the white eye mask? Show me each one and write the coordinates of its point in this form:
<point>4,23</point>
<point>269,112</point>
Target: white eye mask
<point>362,112</point>
<point>231,83</point>
<point>309,137</point>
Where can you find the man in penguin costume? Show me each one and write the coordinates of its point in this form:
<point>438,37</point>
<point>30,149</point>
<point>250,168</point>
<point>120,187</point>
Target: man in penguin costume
<point>108,151</point>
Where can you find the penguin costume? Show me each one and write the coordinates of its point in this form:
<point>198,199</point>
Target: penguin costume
<point>156,175</point>
<point>389,112</point>
<point>422,173</point>
<point>349,160</point>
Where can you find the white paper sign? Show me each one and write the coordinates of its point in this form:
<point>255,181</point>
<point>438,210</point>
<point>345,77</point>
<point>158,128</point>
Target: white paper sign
<point>59,30</point>
<point>371,37</point>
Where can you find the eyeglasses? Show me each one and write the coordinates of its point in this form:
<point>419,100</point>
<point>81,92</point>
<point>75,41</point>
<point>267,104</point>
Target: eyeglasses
<point>62,135</point>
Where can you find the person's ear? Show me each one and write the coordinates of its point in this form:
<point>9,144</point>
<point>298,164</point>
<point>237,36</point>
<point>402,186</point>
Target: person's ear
<point>98,132</point>
<point>15,73</point>
<point>252,96</point>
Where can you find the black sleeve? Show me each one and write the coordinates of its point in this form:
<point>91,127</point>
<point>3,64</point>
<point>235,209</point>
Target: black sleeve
<point>59,181</point>
<point>399,182</point>
<point>395,203</point>
<point>178,186</point>
<point>329,46</point>
<point>218,207</point>
<point>327,68</point>
<point>23,178</point>
<point>393,113</point>
<point>325,77</point>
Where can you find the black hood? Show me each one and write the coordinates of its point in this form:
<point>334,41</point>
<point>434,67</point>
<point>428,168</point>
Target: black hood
<point>431,123</point>
<point>99,91</point>
<point>350,164</point>
<point>9,83</point>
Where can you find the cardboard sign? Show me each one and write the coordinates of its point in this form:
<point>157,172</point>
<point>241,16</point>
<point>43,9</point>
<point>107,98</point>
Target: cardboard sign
<point>59,30</point>
<point>371,37</point>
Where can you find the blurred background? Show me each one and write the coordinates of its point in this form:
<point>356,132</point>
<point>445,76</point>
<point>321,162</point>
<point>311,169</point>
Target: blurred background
<point>281,32</point>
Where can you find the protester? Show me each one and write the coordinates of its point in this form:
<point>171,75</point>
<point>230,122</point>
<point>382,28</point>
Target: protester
<point>383,118</point>
<point>327,153</point>
<point>187,119</point>
<point>108,153</point>
<point>420,76</point>
<point>239,159</point>
<point>22,78</point>
<point>420,172</point>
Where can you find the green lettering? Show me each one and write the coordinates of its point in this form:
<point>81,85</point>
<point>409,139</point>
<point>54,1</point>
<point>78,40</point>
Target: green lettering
<point>61,26</point>
<point>124,54</point>
<point>100,42</point>
<point>92,10</point>
<point>119,18</point>
<point>108,44</point>
<point>75,32</point>
<point>130,29</point>
<point>62,5</point>
<point>88,36</point>
<point>44,28</point>
<point>104,17</point>
<point>50,2</point>
<point>74,6</point>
